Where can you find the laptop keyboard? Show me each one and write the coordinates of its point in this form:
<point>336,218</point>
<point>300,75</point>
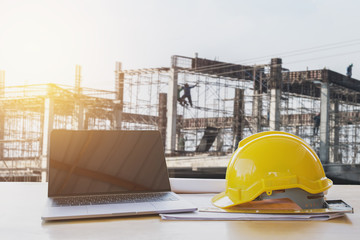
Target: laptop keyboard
<point>113,199</point>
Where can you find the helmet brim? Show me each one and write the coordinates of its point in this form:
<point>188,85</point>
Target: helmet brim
<point>221,200</point>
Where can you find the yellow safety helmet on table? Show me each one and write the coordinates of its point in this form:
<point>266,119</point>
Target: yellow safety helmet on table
<point>269,161</point>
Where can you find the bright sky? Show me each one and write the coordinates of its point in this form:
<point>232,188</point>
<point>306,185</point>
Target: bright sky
<point>41,41</point>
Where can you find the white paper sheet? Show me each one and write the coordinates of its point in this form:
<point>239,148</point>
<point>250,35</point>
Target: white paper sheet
<point>196,189</point>
<point>208,216</point>
<point>203,201</point>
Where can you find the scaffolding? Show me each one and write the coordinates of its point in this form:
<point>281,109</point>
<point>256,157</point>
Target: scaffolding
<point>29,113</point>
<point>230,102</point>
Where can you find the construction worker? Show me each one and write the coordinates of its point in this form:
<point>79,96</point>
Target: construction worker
<point>181,101</point>
<point>349,71</point>
<point>316,123</point>
<point>187,93</point>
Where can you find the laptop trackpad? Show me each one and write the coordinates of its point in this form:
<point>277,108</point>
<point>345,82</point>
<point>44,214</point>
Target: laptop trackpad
<point>124,208</point>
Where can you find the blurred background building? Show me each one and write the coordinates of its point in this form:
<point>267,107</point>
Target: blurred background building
<point>229,102</point>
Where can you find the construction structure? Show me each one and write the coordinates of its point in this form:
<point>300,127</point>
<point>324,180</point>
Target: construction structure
<point>229,102</point>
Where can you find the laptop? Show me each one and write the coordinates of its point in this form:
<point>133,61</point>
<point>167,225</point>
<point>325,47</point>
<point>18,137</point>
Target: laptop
<point>96,173</point>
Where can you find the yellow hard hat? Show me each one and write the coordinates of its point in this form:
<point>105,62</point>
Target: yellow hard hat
<point>270,161</point>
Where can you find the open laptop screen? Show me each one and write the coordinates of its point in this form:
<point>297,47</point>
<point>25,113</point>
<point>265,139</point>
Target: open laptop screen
<point>97,162</point>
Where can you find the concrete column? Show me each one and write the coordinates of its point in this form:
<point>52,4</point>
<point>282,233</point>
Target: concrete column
<point>275,93</point>
<point>172,109</point>
<point>219,141</point>
<point>296,130</point>
<point>86,121</point>
<point>48,122</point>
<point>2,83</point>
<point>78,79</point>
<point>117,120</point>
<point>355,149</point>
<point>238,120</point>
<point>2,113</point>
<point>162,116</point>
<point>78,118</point>
<point>180,141</point>
<point>119,102</point>
<point>274,122</point>
<point>334,134</point>
<point>257,103</point>
<point>79,111</point>
<point>324,118</point>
